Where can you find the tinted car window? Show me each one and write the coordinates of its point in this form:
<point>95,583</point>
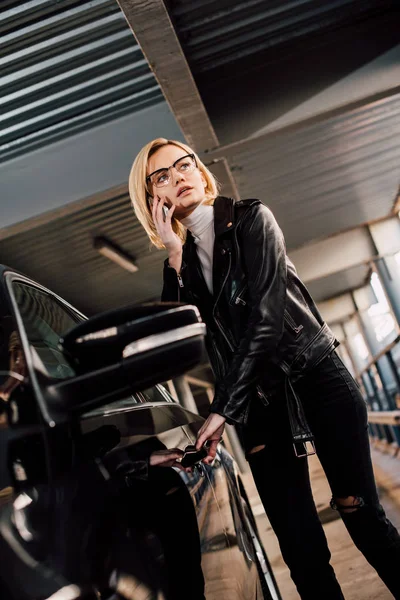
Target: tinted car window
<point>155,394</point>
<point>45,321</point>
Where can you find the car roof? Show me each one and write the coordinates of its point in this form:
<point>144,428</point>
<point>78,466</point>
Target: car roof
<point>5,268</point>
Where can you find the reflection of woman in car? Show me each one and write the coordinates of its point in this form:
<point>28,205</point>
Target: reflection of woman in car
<point>158,501</point>
<point>150,506</point>
<point>278,376</point>
<point>16,366</point>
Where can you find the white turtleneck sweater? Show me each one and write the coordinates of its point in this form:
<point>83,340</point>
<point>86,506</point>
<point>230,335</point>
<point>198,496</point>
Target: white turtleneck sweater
<point>201,225</point>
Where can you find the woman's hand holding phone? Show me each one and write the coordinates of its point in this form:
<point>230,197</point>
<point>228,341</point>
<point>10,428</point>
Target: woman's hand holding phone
<point>164,229</point>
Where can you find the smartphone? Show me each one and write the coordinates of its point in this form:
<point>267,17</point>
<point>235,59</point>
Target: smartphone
<point>164,209</point>
<point>193,456</point>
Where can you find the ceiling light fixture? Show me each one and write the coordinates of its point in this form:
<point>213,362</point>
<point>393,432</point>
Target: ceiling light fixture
<point>112,251</point>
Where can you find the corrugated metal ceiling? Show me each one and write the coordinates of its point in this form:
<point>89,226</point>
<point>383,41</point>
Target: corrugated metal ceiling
<point>318,181</point>
<point>219,34</point>
<point>65,67</point>
<point>327,177</point>
<point>69,66</point>
<point>60,255</point>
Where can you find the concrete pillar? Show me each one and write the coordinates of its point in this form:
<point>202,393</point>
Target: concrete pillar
<point>363,299</point>
<point>388,270</point>
<point>357,342</point>
<point>386,237</point>
<point>172,390</point>
<point>184,394</point>
<point>348,356</point>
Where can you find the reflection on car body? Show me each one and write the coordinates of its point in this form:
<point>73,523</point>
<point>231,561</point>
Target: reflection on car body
<point>82,514</point>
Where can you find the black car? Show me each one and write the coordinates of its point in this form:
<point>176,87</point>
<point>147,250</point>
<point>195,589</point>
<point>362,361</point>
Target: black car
<point>82,514</point>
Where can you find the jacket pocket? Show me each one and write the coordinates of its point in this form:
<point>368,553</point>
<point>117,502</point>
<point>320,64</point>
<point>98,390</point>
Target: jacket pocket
<point>291,324</point>
<point>237,298</point>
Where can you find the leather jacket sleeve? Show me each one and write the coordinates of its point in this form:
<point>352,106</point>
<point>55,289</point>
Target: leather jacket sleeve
<point>264,260</point>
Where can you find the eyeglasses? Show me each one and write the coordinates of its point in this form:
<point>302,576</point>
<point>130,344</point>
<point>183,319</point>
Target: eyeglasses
<point>162,177</point>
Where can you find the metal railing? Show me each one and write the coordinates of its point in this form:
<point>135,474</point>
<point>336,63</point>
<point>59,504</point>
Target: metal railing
<point>381,387</point>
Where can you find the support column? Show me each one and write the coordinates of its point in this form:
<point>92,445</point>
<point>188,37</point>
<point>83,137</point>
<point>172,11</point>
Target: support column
<point>349,351</point>
<point>390,282</point>
<point>371,324</point>
<point>388,271</point>
<point>386,237</point>
<point>382,367</point>
<point>184,394</point>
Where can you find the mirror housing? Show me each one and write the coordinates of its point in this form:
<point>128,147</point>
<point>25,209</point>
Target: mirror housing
<point>126,350</point>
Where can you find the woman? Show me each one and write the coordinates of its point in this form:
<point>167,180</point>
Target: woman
<point>278,376</point>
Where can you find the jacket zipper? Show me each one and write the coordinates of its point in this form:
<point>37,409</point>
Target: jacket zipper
<point>180,285</point>
<point>289,320</point>
<point>260,392</point>
<point>236,298</point>
<point>230,346</point>
<point>240,301</point>
<point>262,396</point>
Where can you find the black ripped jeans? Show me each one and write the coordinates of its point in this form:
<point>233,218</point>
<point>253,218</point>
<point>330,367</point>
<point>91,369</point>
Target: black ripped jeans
<point>337,415</point>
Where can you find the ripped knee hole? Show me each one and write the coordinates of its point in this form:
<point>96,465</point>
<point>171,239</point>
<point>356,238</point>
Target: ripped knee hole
<point>257,449</point>
<point>347,505</point>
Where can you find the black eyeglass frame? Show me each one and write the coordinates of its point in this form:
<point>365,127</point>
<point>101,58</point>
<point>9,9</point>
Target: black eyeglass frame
<point>192,156</point>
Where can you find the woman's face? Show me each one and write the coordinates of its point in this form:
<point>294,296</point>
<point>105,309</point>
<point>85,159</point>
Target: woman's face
<point>185,191</point>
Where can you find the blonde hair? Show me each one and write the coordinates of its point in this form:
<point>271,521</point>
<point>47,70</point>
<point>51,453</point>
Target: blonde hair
<point>140,195</point>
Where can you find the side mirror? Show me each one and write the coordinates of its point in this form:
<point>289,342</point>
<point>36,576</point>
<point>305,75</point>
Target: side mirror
<point>122,351</point>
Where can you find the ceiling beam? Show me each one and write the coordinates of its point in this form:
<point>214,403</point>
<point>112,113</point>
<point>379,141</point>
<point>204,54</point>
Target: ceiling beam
<point>368,86</point>
<point>273,132</point>
<point>386,235</point>
<point>344,251</point>
<point>334,254</point>
<point>153,29</point>
<point>338,309</point>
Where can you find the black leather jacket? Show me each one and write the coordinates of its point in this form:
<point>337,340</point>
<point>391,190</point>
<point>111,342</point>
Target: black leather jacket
<point>262,324</point>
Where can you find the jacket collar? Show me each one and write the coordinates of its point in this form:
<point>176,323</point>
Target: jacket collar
<point>224,218</point>
<point>224,215</point>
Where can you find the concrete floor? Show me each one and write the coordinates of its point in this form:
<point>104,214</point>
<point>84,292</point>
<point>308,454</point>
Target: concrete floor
<point>357,578</point>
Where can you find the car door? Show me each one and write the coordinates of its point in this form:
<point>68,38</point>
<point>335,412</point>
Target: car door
<point>173,508</point>
<point>231,571</point>
<point>94,517</point>
<point>84,496</point>
<point>83,499</point>
<point>151,419</point>
<point>23,466</point>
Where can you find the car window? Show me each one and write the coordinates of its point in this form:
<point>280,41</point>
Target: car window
<point>45,320</point>
<point>157,393</point>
